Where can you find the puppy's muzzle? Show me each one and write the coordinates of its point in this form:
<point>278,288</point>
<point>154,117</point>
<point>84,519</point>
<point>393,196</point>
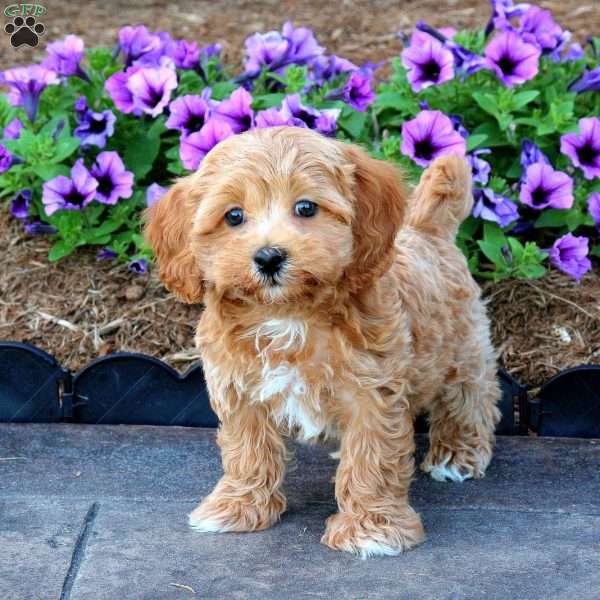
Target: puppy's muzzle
<point>270,260</point>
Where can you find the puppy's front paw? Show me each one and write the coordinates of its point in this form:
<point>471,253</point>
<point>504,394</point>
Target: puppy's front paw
<point>445,465</point>
<point>374,534</point>
<point>221,512</point>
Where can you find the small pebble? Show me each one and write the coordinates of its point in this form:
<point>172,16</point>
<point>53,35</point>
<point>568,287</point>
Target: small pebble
<point>134,292</point>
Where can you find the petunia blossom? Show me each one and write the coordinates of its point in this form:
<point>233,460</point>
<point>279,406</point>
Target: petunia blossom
<point>65,56</point>
<point>480,169</point>
<point>114,181</point>
<point>513,60</point>
<point>94,128</point>
<point>236,111</point>
<point>494,207</point>
<point>106,254</point>
<point>137,41</point>
<point>26,85</point>
<point>189,113</point>
<point>357,91</point>
<point>186,55</point>
<point>154,193</point>
<point>151,89</point>
<point>588,82</point>
<point>19,205</point>
<point>69,193</point>
<point>13,130</point>
<point>6,159</point>
<point>138,266</point>
<point>537,26</point>
<point>531,154</point>
<point>544,187</point>
<point>428,61</point>
<point>271,117</point>
<point>593,205</point>
<point>583,148</point>
<point>569,254</point>
<point>429,135</point>
<point>196,146</point>
<point>39,228</point>
<point>324,121</point>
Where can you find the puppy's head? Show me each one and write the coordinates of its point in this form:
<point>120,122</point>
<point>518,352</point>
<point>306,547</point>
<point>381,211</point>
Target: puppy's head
<point>277,215</point>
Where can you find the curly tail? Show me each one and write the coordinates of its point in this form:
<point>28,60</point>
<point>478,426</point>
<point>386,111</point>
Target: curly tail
<point>443,198</point>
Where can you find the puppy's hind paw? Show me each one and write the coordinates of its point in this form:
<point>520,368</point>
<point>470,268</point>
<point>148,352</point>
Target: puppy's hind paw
<point>457,466</point>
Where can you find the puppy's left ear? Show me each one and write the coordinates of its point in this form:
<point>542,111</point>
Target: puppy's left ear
<point>380,199</point>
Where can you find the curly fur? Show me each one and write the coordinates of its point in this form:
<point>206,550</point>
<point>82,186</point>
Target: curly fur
<point>374,320</point>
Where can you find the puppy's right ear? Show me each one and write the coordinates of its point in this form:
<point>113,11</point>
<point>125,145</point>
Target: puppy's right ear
<point>168,228</point>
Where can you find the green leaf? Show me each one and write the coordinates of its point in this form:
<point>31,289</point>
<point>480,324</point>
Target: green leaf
<point>59,250</point>
<point>523,98</point>
<point>267,101</point>
<point>352,122</point>
<point>595,251</point>
<point>487,102</point>
<point>64,148</point>
<point>552,218</point>
<point>141,152</point>
<point>475,141</point>
<point>50,171</point>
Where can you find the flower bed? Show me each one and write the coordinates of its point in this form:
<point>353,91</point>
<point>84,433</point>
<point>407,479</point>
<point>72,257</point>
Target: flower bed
<point>90,138</point>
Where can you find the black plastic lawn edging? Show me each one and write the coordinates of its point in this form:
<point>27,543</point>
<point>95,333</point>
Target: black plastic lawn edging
<point>134,389</point>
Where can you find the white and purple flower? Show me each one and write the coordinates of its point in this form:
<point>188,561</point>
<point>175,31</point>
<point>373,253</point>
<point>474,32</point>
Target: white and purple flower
<point>570,255</point>
<point>428,61</point>
<point>196,146</point>
<point>69,193</point>
<point>494,207</point>
<point>512,59</point>
<point>584,148</point>
<point>429,135</point>
<point>189,113</point>
<point>114,181</point>
<point>544,187</point>
<point>93,128</point>
<point>324,121</point>
<point>65,56</point>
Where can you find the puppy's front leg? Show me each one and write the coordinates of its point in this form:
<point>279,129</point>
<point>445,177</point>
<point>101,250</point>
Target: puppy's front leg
<point>372,481</point>
<point>248,496</point>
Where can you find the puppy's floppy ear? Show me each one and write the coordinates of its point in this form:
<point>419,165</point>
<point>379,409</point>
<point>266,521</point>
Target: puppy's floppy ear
<point>168,228</point>
<point>380,203</point>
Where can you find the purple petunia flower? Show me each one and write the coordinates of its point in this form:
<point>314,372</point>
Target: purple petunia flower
<point>271,117</point>
<point>265,50</point>
<point>546,188</point>
<point>465,62</point>
<point>154,193</point>
<point>428,61</point>
<point>137,41</point>
<point>13,130</point>
<point>537,26</point>
<point>429,135</point>
<point>457,122</point>
<point>303,46</point>
<point>6,159</point>
<point>480,169</point>
<point>358,92</point>
<point>151,89</point>
<point>69,193</point>
<point>494,207</point>
<point>26,85</point>
<point>138,266</point>
<point>186,55</point>
<point>19,205</point>
<point>531,154</point>
<point>575,52</point>
<point>64,57</point>
<point>502,12</point>
<point>94,127</point>
<point>274,50</point>
<point>513,60</point>
<point>118,90</point>
<point>196,146</point>
<point>588,82</point>
<point>593,205</point>
<point>114,181</point>
<point>106,254</point>
<point>584,148</point>
<point>569,254</point>
<point>323,121</point>
<point>236,111</point>
<point>39,228</point>
<point>189,113</point>
<point>326,68</point>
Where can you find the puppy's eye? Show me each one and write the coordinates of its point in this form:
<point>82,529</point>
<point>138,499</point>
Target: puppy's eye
<point>234,217</point>
<point>305,208</point>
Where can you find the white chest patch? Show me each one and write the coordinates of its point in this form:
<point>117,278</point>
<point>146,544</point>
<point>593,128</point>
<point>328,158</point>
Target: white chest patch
<point>280,335</point>
<point>286,381</point>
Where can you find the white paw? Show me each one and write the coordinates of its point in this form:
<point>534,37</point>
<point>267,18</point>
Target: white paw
<point>199,523</point>
<point>445,472</point>
<point>368,548</point>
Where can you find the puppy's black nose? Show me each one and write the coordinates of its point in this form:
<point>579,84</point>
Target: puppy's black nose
<point>269,260</point>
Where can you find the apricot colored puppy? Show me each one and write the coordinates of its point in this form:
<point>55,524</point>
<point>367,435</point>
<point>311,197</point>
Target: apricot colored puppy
<point>334,306</point>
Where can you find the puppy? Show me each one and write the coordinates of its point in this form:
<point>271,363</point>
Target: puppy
<point>333,307</point>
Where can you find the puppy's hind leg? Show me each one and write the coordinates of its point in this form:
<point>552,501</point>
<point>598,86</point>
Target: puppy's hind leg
<point>462,422</point>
